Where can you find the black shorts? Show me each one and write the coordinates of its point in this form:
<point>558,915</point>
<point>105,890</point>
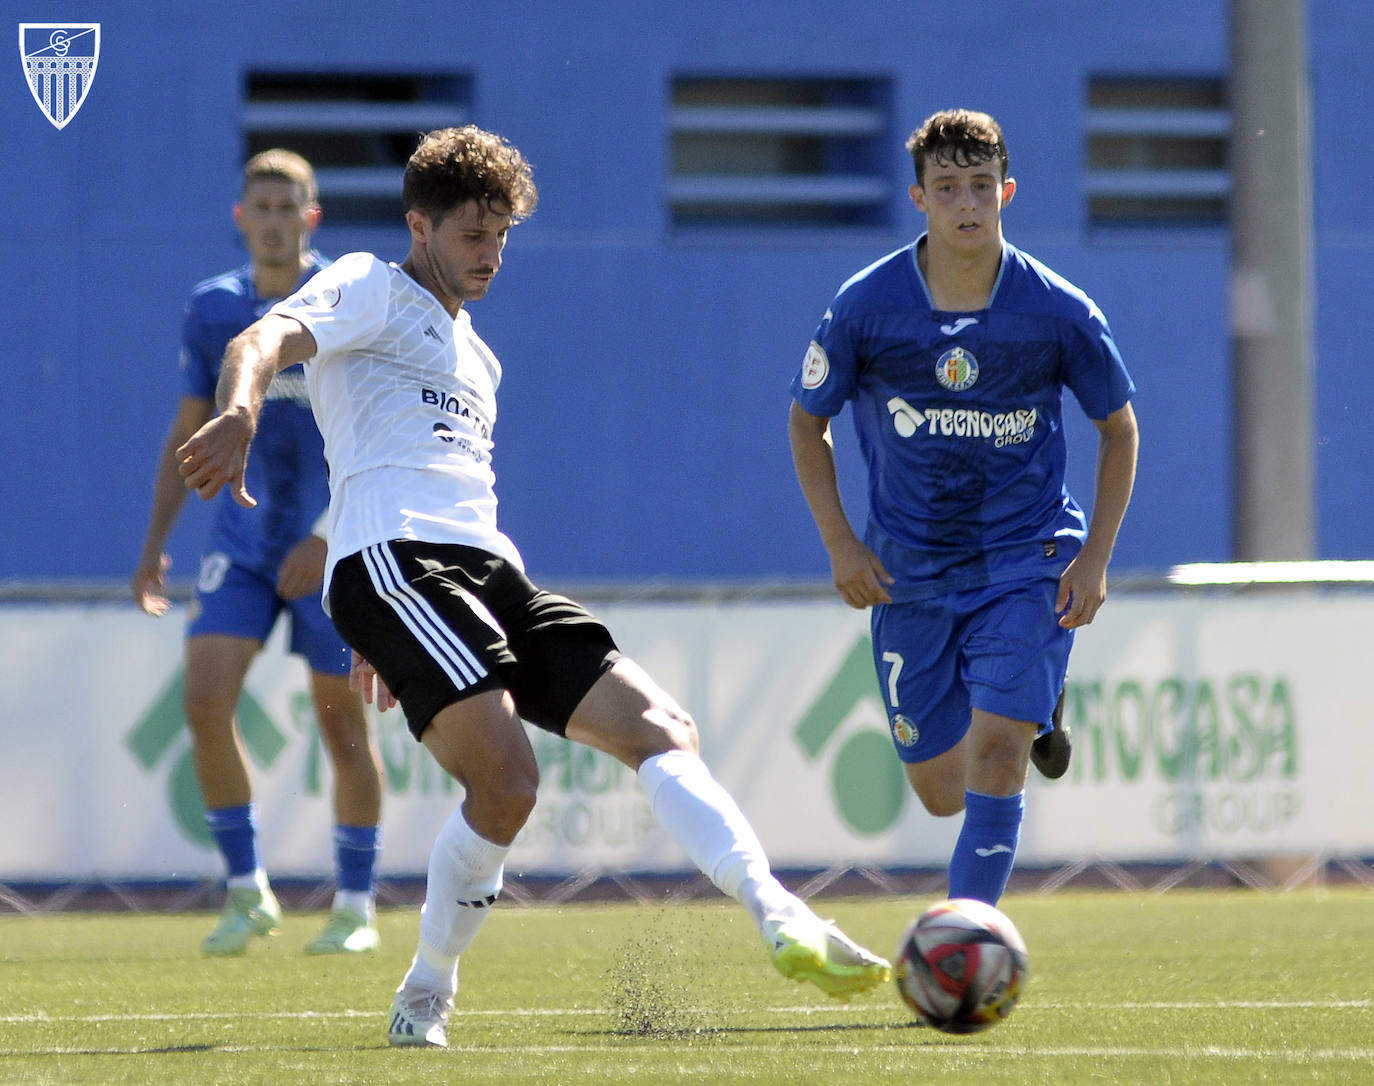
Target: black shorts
<point>441,622</point>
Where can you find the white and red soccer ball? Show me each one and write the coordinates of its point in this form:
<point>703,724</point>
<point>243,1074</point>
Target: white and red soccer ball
<point>961,966</point>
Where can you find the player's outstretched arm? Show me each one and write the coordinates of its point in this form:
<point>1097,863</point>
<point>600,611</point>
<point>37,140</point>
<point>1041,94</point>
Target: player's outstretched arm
<point>217,453</point>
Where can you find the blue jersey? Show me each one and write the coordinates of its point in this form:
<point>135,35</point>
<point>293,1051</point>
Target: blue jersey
<point>286,469</point>
<point>959,417</point>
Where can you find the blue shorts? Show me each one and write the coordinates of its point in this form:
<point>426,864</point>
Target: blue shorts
<point>1000,649</point>
<point>239,602</point>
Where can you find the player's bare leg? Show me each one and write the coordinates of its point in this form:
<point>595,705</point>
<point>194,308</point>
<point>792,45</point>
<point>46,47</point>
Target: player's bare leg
<point>216,666</point>
<point>215,669</point>
<point>349,744</point>
<point>940,782</point>
<point>357,813</point>
<point>983,775</point>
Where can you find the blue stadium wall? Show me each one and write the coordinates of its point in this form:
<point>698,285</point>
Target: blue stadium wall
<point>642,429</point>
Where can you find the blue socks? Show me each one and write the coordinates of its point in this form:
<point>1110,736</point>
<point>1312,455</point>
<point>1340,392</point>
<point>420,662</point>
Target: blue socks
<point>986,847</point>
<point>355,847</point>
<point>235,831</point>
<point>355,853</point>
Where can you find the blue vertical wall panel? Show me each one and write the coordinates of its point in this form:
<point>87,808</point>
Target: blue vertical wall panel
<point>642,429</point>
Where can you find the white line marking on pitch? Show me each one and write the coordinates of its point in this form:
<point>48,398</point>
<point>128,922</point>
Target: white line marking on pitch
<point>804,1011</point>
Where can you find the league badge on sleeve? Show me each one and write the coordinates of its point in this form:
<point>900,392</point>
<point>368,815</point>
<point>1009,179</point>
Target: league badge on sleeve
<point>325,298</point>
<point>815,367</point>
<point>59,65</point>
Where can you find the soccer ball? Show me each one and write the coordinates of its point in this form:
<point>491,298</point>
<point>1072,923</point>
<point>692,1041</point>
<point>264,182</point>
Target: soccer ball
<point>961,966</point>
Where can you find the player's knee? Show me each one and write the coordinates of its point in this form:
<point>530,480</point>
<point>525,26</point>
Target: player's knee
<point>677,729</point>
<point>344,733</point>
<point>659,729</point>
<point>517,803</point>
<point>499,809</point>
<point>941,798</point>
<point>209,718</point>
<point>942,803</point>
<point>998,766</point>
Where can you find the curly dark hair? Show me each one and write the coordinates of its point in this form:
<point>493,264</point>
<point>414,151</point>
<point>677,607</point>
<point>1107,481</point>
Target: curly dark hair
<point>961,137</point>
<point>454,165</point>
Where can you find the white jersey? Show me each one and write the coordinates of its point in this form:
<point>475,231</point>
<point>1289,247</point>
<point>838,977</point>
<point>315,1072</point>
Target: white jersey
<point>405,396</point>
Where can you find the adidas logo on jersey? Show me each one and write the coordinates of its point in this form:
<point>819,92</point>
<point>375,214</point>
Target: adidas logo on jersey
<point>433,333</point>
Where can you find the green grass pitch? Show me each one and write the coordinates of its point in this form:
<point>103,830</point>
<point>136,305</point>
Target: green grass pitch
<point>1211,986</point>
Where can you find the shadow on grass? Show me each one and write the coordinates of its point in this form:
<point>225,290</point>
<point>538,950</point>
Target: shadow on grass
<point>166,1050</point>
<point>186,1050</point>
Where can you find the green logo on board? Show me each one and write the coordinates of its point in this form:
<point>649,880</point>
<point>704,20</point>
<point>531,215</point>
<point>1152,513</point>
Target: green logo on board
<point>160,738</point>
<point>847,724</point>
<point>1225,747</point>
<point>161,734</point>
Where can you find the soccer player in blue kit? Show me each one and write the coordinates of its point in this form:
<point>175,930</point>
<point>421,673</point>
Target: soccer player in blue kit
<point>257,564</point>
<point>979,566</point>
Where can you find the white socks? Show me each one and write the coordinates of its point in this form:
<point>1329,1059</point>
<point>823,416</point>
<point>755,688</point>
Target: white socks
<point>465,869</point>
<point>707,822</point>
<point>464,880</point>
<point>358,901</point>
<point>256,880</point>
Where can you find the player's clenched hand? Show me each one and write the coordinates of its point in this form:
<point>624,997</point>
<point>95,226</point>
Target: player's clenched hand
<point>302,570</point>
<point>148,584</point>
<point>362,676</point>
<point>1082,591</point>
<point>215,457</point>
<point>858,575</point>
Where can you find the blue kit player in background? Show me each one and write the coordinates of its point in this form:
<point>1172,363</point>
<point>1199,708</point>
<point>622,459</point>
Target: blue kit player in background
<point>955,352</point>
<point>257,564</point>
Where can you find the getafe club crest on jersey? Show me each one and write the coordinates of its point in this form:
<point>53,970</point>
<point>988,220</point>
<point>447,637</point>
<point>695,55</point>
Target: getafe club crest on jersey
<point>956,370</point>
<point>59,63</point>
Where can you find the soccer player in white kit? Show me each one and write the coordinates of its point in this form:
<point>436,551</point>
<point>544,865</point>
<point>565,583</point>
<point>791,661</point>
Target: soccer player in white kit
<point>433,596</point>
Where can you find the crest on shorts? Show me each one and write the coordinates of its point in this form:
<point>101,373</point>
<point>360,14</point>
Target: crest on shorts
<point>957,369</point>
<point>904,731</point>
<point>59,65</point>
